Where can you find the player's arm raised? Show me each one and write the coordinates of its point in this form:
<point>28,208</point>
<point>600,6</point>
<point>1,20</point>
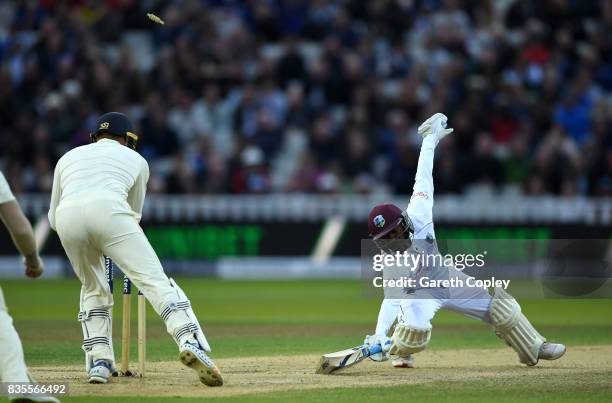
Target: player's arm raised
<point>20,229</point>
<point>421,203</point>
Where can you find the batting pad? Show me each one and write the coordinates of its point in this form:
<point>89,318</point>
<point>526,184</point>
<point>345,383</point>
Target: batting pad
<point>97,336</point>
<point>514,328</point>
<point>408,339</point>
<point>181,320</point>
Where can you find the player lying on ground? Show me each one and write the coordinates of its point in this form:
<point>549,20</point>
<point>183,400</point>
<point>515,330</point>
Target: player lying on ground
<point>415,311</point>
<point>12,364</point>
<point>96,205</point>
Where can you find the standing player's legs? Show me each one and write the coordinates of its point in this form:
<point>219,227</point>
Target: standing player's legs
<point>131,251</point>
<point>96,300</point>
<point>12,364</point>
<point>125,243</point>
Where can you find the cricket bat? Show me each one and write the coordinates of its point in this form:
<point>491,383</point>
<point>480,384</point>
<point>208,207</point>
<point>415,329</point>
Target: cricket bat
<point>339,360</point>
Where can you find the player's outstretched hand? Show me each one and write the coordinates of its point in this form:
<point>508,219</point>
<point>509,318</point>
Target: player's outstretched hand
<point>34,266</point>
<point>436,126</point>
<point>385,343</point>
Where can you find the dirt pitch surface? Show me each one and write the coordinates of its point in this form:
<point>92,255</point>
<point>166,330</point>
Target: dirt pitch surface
<point>272,374</point>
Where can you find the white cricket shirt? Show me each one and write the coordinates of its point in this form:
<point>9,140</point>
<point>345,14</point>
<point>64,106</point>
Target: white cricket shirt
<point>103,168</point>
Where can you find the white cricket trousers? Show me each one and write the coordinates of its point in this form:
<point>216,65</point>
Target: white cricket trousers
<point>12,364</point>
<point>93,226</point>
<point>472,302</point>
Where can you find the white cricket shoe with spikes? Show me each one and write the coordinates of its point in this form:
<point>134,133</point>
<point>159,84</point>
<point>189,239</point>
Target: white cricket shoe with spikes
<point>192,356</point>
<point>551,351</point>
<point>403,362</point>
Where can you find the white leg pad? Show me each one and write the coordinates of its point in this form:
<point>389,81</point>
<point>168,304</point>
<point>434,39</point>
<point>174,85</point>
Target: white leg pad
<point>409,339</point>
<point>514,328</point>
<point>97,336</point>
<point>181,320</point>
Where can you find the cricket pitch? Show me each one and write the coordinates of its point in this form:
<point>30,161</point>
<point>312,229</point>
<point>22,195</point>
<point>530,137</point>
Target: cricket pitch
<point>584,365</point>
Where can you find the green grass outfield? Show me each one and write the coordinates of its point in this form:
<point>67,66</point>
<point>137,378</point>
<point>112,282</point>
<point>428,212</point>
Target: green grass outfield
<point>263,318</point>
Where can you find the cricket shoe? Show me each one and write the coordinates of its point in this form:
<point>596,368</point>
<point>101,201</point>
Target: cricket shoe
<point>100,372</point>
<point>551,351</point>
<point>29,398</point>
<point>195,358</point>
<point>33,399</point>
<point>403,362</point>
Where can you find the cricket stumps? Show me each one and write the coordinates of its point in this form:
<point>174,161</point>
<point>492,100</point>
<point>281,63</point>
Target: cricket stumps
<point>126,324</point>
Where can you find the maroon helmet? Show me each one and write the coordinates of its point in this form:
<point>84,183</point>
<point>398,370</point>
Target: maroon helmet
<point>383,221</point>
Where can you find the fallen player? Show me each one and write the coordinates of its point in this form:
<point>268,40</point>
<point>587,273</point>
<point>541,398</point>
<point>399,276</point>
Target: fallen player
<point>414,229</point>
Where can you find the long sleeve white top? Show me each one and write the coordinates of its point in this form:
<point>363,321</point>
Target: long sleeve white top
<point>104,168</point>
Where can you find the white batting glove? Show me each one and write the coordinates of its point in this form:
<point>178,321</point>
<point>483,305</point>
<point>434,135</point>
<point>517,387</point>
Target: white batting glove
<point>385,343</point>
<point>436,126</point>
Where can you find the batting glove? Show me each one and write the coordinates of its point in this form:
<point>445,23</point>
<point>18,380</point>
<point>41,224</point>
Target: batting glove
<point>385,344</point>
<point>435,126</point>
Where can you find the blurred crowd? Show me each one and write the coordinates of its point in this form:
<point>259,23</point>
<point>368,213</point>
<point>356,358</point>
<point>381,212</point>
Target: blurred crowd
<point>319,96</point>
